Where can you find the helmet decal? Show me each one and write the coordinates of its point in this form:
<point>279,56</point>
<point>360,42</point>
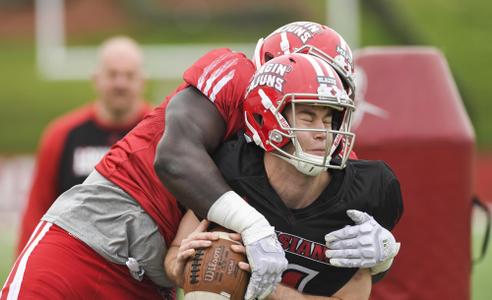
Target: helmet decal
<point>303,30</point>
<point>271,75</point>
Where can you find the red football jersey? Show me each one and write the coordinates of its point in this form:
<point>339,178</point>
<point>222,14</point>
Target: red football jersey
<point>62,159</point>
<point>222,76</point>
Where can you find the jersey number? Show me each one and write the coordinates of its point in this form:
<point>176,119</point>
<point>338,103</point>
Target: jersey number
<point>297,276</point>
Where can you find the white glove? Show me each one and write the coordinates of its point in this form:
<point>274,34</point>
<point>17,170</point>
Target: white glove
<point>265,254</point>
<point>267,261</point>
<point>363,245</point>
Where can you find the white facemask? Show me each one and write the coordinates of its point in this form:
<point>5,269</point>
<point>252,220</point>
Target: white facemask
<point>302,162</point>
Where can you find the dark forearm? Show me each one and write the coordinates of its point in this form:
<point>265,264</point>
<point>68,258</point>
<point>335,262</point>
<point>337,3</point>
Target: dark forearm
<point>194,129</point>
<point>192,177</point>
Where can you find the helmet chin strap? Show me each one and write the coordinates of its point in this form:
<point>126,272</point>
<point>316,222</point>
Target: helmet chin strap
<point>308,168</point>
<point>307,164</point>
<point>305,168</point>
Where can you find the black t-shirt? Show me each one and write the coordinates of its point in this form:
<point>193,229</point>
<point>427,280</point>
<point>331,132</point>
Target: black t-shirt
<point>369,186</point>
<point>83,147</point>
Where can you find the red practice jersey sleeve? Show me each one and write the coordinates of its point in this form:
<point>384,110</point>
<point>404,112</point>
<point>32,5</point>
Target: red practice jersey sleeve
<point>222,76</point>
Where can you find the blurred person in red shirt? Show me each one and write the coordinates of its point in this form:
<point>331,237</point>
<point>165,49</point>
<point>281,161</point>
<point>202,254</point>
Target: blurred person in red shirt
<point>74,143</point>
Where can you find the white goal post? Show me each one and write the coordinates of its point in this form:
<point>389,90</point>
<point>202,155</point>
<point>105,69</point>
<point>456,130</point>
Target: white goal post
<point>57,61</point>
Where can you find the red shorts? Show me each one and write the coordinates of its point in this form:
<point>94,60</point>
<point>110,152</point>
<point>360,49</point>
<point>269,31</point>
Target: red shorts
<point>56,265</point>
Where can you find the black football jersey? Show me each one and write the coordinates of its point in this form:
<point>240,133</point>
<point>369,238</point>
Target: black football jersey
<point>368,186</point>
<point>84,146</point>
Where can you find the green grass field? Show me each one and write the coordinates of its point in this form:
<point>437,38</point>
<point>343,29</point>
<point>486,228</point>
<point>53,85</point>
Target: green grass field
<point>459,29</point>
<point>29,103</point>
<point>7,241</point>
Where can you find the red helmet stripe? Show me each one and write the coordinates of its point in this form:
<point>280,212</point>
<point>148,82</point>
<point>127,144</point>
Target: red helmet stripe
<point>316,66</point>
<point>284,43</point>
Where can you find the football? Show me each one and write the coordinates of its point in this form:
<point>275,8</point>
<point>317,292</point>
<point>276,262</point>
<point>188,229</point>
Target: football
<point>213,273</point>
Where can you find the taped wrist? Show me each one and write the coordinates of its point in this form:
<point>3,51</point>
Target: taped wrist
<point>231,211</point>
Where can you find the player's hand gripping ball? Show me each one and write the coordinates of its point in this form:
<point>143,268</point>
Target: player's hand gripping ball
<point>213,273</point>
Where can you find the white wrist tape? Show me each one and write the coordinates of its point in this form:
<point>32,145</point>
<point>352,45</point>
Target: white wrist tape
<point>231,211</point>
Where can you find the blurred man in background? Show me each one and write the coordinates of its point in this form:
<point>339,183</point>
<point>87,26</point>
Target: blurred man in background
<point>74,143</point>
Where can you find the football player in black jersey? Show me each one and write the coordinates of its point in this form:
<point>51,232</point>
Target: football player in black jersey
<point>326,209</point>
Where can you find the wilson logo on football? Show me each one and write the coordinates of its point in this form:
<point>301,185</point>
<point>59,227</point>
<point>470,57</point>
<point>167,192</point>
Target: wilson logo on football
<point>213,273</point>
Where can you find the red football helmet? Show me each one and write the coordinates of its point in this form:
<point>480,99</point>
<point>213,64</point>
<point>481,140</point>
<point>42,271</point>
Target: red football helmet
<point>298,79</point>
<point>310,38</point>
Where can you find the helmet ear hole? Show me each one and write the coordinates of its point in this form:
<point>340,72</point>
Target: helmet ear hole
<point>259,119</point>
<point>268,56</point>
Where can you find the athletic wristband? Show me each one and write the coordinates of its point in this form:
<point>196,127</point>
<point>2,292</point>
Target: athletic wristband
<point>232,212</point>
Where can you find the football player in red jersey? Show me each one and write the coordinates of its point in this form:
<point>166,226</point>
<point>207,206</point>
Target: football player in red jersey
<point>121,219</point>
<point>141,176</point>
<point>75,142</point>
<point>297,112</point>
